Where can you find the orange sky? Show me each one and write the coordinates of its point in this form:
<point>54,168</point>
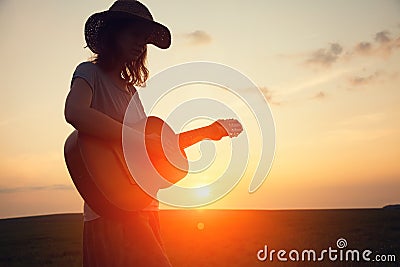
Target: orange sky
<point>330,72</point>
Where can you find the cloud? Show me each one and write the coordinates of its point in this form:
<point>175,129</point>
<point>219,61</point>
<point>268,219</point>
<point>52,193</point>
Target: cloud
<point>363,48</point>
<point>382,37</point>
<point>325,57</point>
<point>376,77</point>
<point>198,37</point>
<point>364,80</point>
<point>268,94</point>
<point>36,188</point>
<point>382,45</point>
<point>320,95</point>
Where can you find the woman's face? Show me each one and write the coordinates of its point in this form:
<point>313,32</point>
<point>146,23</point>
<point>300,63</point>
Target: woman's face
<point>131,42</point>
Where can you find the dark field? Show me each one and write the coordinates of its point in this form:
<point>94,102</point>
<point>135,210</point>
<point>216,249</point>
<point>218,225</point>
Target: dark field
<point>229,238</point>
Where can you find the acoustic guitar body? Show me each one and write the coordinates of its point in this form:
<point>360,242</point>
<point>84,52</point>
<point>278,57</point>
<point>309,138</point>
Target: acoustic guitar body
<point>101,176</point>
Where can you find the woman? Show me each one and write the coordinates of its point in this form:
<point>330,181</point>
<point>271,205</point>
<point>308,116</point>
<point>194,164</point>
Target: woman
<point>101,90</point>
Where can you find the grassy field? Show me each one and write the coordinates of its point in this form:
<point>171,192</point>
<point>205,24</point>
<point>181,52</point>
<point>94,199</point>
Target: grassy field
<point>215,237</point>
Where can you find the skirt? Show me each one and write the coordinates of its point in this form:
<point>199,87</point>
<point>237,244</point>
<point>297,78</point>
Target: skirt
<point>133,242</point>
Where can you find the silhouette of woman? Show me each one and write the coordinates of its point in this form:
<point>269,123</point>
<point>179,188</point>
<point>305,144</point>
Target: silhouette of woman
<point>100,92</point>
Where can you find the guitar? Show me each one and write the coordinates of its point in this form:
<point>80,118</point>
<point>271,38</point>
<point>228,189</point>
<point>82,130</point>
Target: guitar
<point>99,172</point>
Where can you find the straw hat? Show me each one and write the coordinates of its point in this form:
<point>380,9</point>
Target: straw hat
<point>159,36</point>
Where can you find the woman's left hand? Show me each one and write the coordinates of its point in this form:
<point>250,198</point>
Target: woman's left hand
<point>225,127</point>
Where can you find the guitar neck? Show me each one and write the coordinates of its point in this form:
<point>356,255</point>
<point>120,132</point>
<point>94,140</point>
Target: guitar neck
<point>189,138</point>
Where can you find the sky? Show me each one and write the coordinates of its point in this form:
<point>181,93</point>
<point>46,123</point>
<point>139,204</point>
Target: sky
<point>329,70</point>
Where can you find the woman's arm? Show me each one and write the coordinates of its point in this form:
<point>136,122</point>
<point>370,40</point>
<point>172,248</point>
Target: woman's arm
<point>192,137</point>
<point>214,131</point>
<point>86,119</point>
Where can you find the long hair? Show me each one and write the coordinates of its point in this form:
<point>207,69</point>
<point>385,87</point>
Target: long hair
<point>134,72</point>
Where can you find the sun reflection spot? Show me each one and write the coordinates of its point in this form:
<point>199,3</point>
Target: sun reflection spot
<point>200,226</point>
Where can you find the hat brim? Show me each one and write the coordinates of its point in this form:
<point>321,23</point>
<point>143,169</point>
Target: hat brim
<point>159,34</point>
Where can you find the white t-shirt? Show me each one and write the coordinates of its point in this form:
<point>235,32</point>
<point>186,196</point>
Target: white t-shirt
<point>112,100</point>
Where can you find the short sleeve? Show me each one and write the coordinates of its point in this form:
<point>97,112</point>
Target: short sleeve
<point>86,71</point>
